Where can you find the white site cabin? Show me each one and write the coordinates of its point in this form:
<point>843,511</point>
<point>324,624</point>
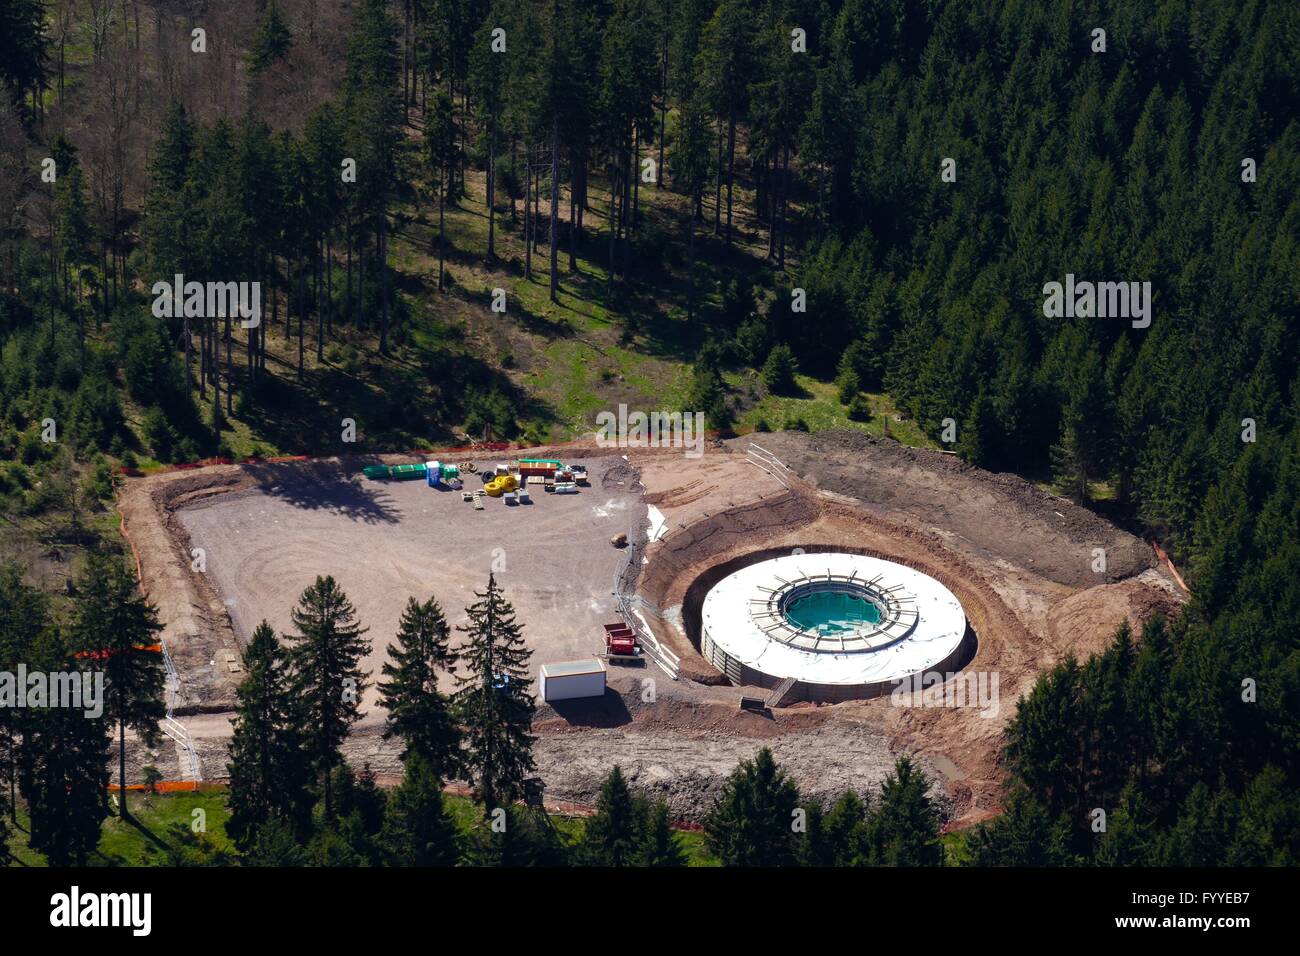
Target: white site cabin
<point>569,680</point>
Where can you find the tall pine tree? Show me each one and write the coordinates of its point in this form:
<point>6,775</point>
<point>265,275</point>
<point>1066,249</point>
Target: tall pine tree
<point>115,627</point>
<point>493,701</point>
<point>752,823</point>
<point>660,846</point>
<point>417,829</point>
<point>612,835</point>
<point>326,653</point>
<point>269,773</point>
<point>418,713</point>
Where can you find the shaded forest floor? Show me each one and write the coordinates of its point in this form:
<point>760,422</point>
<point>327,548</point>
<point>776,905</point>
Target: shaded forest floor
<point>558,363</point>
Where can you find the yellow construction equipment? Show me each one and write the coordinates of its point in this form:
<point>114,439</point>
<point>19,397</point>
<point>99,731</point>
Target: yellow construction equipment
<point>500,485</point>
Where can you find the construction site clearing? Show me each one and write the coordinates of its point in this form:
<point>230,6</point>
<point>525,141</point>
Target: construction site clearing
<point>609,578</point>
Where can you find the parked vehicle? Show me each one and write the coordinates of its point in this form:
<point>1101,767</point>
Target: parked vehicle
<point>620,642</point>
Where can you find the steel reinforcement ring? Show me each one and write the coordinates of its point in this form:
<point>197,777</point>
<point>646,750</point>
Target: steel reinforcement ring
<point>897,606</point>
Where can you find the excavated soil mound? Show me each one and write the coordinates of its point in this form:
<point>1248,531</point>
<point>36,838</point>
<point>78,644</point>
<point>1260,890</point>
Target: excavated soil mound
<point>997,515</point>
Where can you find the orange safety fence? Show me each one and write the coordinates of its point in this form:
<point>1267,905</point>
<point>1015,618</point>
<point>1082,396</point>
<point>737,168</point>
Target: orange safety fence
<point>168,786</point>
<point>494,447</point>
<point>105,655</point>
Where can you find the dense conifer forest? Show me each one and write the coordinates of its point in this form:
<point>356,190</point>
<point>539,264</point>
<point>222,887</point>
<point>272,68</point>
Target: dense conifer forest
<point>737,203</point>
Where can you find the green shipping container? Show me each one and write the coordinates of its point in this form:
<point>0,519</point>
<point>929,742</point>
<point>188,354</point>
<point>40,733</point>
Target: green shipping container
<point>394,473</point>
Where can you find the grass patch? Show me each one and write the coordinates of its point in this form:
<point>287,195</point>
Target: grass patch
<point>820,408</point>
<point>147,840</point>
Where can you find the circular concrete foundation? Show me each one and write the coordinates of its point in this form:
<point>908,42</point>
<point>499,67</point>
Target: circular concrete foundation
<point>836,626</point>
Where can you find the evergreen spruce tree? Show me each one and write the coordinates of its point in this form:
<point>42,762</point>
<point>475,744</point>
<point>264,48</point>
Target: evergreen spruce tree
<point>692,164</point>
<point>352,834</point>
<point>1082,453</point>
<point>335,845</point>
<point>55,759</point>
<point>417,830</point>
<point>63,771</point>
<point>612,835</point>
<point>1267,823</point>
<point>1125,842</point>
<point>516,837</point>
<point>487,75</point>
<point>440,151</point>
<point>1023,835</point>
<point>325,654</point>
<point>974,438</point>
<point>779,371</point>
<point>493,701</point>
<point>708,395</point>
<point>660,846</point>
<point>269,773</point>
<point>752,822</point>
<point>904,829</point>
<point>116,627</point>
<point>842,830</point>
<point>24,51</point>
<point>625,107</point>
<point>74,227</point>
<point>417,712</point>
<point>779,91</point>
<point>724,65</point>
<point>24,619</point>
<point>272,40</point>
<point>811,845</point>
<point>274,844</point>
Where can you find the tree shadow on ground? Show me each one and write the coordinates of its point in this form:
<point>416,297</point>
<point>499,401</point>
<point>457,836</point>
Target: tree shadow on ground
<point>148,834</point>
<point>548,328</point>
<point>796,391</point>
<point>116,859</point>
<point>323,486</point>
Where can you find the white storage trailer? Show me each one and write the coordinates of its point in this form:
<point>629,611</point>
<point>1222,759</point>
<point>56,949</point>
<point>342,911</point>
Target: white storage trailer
<point>569,680</point>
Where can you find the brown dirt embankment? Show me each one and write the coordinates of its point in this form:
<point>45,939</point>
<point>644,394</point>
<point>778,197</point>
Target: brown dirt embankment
<point>1019,560</point>
<point>196,625</point>
<point>991,516</point>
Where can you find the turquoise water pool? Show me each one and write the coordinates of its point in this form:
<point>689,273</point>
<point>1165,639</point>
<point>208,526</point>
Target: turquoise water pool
<point>830,612</point>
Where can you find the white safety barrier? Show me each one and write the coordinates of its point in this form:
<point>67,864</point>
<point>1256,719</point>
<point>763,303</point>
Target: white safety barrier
<point>173,728</point>
<point>765,461</point>
<point>668,661</point>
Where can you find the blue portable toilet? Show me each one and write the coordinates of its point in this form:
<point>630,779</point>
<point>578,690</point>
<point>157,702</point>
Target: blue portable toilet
<point>433,473</point>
